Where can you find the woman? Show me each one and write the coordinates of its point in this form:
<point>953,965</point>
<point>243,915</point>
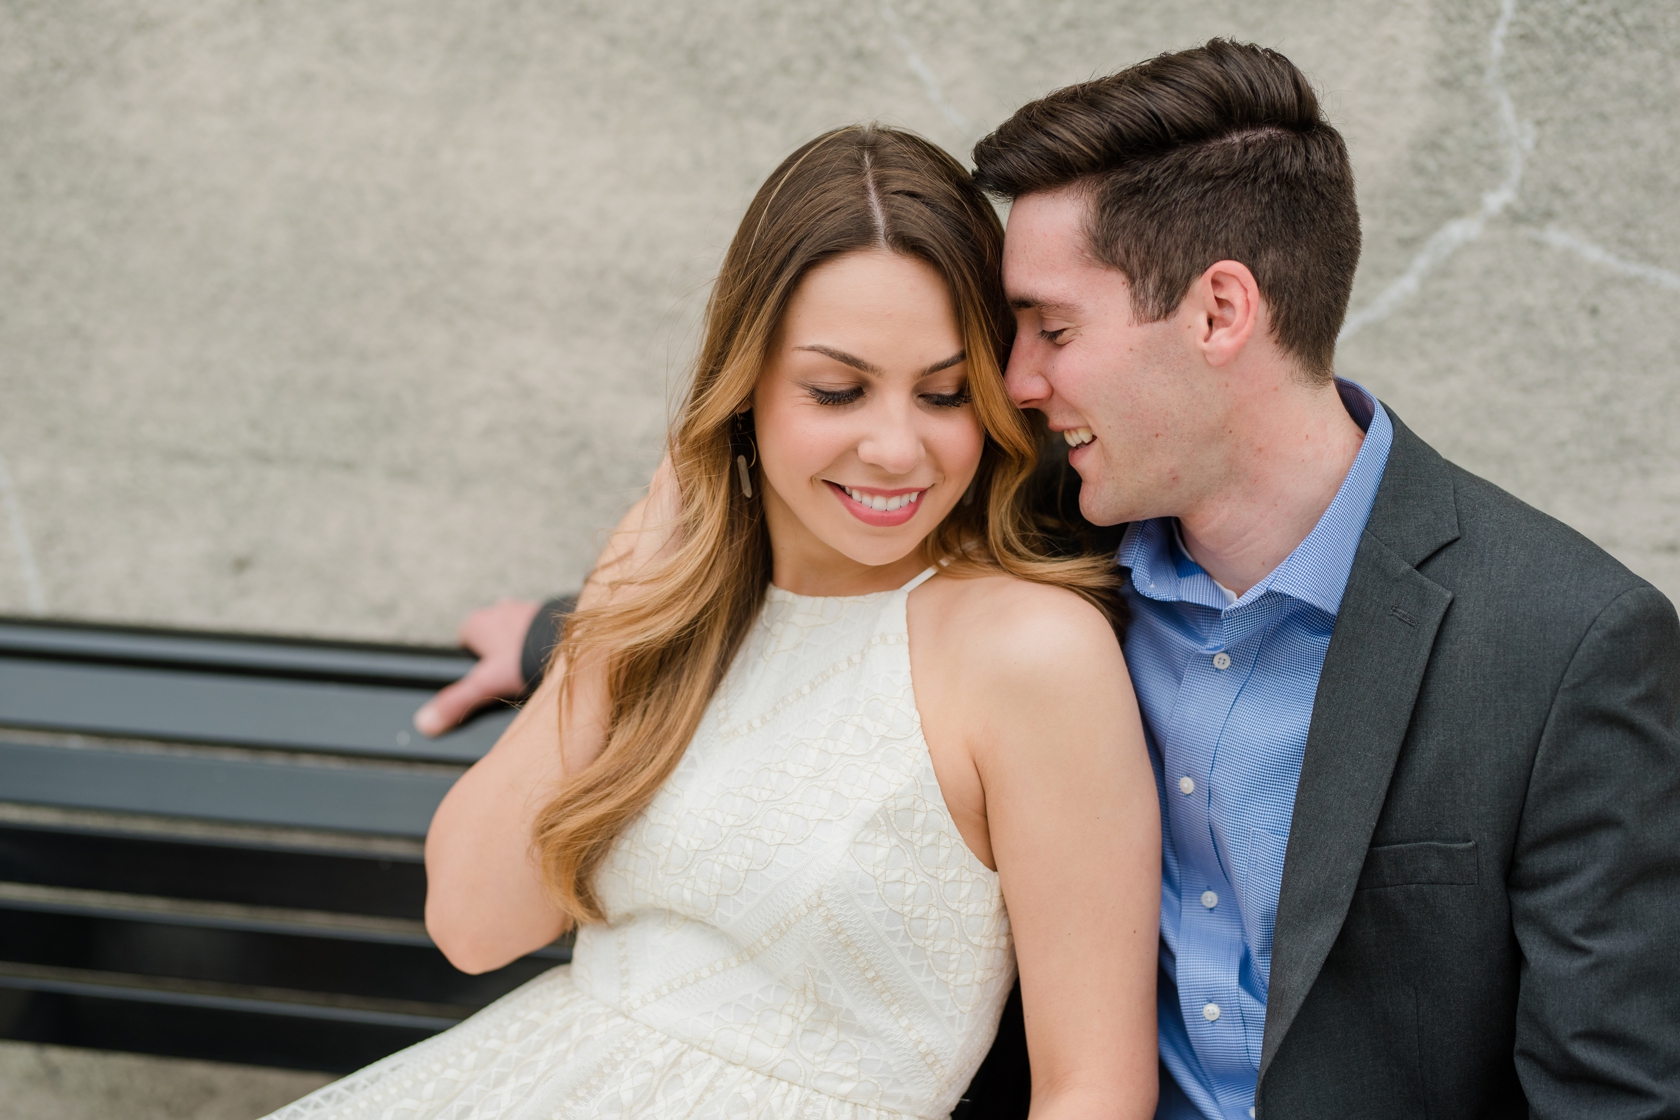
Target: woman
<point>826,707</point>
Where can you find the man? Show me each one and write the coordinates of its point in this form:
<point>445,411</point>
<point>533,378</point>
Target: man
<point>1417,745</point>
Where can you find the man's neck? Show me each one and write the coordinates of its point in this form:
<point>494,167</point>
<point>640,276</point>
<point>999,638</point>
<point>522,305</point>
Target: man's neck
<point>1285,464</point>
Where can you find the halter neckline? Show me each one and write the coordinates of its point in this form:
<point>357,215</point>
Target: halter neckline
<point>922,577</point>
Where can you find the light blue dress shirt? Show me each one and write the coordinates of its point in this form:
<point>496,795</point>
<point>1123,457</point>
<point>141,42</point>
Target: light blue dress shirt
<point>1227,689</point>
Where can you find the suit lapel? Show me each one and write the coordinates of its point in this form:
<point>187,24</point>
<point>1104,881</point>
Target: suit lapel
<point>1385,630</point>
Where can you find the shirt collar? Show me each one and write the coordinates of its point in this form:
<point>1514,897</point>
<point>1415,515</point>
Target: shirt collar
<point>1315,573</point>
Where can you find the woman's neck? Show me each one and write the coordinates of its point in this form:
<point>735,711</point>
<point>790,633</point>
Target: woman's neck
<point>802,563</point>
<point>837,575</point>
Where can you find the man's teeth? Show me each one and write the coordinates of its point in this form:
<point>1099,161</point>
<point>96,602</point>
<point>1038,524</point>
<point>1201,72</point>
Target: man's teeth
<point>878,503</point>
<point>1077,436</point>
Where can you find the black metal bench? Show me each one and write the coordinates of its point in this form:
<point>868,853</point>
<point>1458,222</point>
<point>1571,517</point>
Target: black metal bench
<point>210,845</point>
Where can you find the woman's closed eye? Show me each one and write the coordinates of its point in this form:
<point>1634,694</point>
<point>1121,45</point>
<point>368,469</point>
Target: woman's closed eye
<point>835,396</point>
<point>954,399</point>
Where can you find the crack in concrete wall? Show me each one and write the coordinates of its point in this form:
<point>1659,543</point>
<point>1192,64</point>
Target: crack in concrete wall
<point>1586,250</point>
<point>31,574</point>
<point>1519,137</point>
<point>924,74</point>
<point>1450,238</point>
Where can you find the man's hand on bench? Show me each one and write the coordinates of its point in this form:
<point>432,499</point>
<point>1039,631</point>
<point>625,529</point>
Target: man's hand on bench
<point>497,635</point>
<point>513,651</point>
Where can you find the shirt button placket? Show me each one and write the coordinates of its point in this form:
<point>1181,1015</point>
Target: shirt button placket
<point>1219,923</point>
<point>1207,932</point>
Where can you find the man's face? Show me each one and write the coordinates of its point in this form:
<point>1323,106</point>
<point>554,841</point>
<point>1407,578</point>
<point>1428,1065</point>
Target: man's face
<point>1128,391</point>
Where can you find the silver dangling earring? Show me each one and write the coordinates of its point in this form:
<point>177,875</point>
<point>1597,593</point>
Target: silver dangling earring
<point>746,479</point>
<point>742,467</point>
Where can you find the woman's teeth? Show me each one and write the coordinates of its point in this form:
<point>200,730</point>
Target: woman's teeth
<point>878,503</point>
<point>1077,436</point>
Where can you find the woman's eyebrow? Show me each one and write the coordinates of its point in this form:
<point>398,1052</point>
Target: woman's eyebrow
<point>844,358</point>
<point>874,370</point>
<point>954,359</point>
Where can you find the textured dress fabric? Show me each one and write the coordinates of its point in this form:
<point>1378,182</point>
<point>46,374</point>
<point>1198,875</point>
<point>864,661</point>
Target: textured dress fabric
<point>795,926</point>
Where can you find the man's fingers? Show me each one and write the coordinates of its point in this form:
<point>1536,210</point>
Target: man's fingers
<point>497,635</point>
<point>498,631</point>
<point>454,703</point>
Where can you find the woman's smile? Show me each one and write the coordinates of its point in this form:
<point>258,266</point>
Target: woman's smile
<point>878,507</point>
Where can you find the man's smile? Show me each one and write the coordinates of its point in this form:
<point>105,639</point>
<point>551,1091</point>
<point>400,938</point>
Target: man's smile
<point>1077,436</point>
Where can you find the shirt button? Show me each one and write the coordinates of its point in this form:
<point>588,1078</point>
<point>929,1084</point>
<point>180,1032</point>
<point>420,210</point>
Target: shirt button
<point>1209,899</point>
<point>1221,661</point>
<point>1250,1112</point>
<point>1187,785</point>
<point>1210,1011</point>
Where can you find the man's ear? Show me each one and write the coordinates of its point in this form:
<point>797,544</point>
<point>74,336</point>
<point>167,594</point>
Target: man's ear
<point>1226,303</point>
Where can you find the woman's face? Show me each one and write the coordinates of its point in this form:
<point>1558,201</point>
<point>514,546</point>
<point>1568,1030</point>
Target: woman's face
<point>866,436</point>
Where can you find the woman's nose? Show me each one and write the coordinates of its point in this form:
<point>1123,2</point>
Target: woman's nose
<point>893,444</point>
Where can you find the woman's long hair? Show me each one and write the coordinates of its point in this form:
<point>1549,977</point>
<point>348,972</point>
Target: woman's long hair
<point>668,637</point>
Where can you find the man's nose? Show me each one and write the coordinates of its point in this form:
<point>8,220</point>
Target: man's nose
<point>1027,386</point>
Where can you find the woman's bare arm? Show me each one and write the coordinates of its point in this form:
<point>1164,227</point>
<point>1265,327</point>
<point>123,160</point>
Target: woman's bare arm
<point>486,904</point>
<point>1038,742</point>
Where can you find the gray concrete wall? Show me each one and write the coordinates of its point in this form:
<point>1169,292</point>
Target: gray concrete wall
<point>343,317</point>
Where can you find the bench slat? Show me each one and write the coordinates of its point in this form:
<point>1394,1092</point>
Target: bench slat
<point>387,801</point>
<point>209,845</point>
<point>419,666</point>
<point>195,706</point>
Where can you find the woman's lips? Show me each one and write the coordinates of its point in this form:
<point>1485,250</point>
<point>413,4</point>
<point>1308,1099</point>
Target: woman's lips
<point>861,504</point>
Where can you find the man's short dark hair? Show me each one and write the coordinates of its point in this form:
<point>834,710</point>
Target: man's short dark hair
<point>1215,153</point>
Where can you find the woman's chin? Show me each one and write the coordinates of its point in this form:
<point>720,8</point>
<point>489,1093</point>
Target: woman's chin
<point>851,547</point>
<point>879,554</point>
<point>829,540</point>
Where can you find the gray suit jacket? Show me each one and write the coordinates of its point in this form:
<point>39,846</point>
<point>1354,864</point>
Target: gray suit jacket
<point>1480,912</point>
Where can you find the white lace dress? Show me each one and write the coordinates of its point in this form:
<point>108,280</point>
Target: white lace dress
<point>796,928</point>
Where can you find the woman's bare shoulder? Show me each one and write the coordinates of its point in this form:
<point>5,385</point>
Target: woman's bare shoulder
<point>1001,621</point>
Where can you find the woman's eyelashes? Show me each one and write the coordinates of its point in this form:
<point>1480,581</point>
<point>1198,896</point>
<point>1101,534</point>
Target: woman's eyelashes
<point>954,399</point>
<point>835,396</point>
<point>851,395</point>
